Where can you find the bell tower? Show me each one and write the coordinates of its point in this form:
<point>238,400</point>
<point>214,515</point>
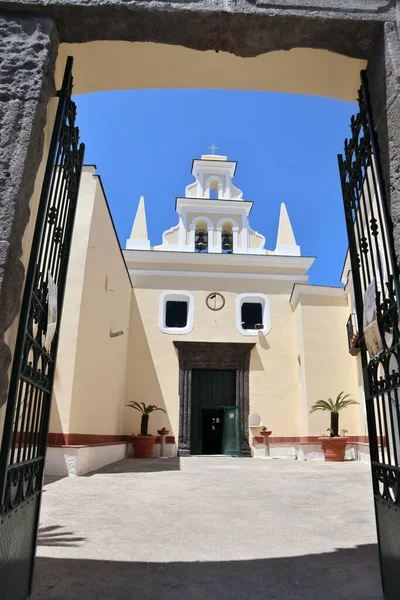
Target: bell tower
<point>213,174</point>
<point>213,216</point>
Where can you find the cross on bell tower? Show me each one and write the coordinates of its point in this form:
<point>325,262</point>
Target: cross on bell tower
<point>213,148</point>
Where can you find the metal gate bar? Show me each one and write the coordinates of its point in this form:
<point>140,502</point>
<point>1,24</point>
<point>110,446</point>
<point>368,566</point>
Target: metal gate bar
<point>374,268</point>
<point>27,417</point>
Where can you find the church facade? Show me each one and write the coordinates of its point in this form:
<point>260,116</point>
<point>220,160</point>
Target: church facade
<point>224,334</point>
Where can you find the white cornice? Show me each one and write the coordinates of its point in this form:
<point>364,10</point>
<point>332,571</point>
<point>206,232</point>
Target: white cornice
<point>314,290</point>
<point>210,166</point>
<point>135,273</point>
<point>264,263</point>
<point>214,205</point>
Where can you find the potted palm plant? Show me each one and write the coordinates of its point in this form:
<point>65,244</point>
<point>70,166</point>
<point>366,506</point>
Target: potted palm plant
<point>334,445</point>
<point>143,444</point>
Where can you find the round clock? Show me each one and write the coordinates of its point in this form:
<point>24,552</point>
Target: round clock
<point>215,301</point>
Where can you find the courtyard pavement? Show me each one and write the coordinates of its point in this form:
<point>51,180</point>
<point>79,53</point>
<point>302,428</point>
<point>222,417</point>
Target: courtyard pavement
<point>205,528</point>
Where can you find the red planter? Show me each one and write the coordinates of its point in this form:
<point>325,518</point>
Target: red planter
<point>334,448</point>
<point>161,432</point>
<point>143,445</point>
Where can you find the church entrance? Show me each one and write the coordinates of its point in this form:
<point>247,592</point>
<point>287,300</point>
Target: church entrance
<point>215,419</point>
<point>214,398</point>
<point>212,430</point>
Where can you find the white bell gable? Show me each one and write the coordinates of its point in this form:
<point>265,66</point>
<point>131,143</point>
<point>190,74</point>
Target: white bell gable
<point>213,217</point>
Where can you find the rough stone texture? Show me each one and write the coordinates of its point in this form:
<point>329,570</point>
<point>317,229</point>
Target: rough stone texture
<point>210,528</point>
<point>243,27</point>
<point>28,49</point>
<point>384,79</point>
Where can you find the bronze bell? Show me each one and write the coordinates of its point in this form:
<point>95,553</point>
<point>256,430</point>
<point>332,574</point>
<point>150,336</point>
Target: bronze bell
<point>201,242</point>
<point>226,241</point>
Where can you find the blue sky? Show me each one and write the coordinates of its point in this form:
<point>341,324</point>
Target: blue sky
<point>143,143</point>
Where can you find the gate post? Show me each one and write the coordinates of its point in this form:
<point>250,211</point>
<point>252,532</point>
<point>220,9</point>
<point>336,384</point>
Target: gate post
<point>384,85</point>
<point>28,51</point>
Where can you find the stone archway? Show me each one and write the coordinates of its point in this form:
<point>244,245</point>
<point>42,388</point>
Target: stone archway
<point>213,355</point>
<point>35,34</point>
<point>31,34</point>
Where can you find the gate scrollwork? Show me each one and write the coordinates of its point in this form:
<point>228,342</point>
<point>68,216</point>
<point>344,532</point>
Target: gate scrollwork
<point>26,425</point>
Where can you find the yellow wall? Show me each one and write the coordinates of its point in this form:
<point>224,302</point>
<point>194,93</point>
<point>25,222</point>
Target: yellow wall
<point>66,359</point>
<point>256,240</point>
<point>326,367</point>
<point>347,280</point>
<point>143,65</point>
<point>282,389</point>
<point>89,391</point>
<point>152,368</point>
<point>301,373</point>
<point>172,237</point>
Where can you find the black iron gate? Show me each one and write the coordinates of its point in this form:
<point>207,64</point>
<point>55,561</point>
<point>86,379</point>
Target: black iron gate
<point>26,425</point>
<point>375,280</point>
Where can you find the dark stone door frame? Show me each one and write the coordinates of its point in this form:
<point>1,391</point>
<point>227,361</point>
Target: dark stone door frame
<point>212,355</point>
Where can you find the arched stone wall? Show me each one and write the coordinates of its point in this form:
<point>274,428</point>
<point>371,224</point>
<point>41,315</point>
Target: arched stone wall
<point>146,65</point>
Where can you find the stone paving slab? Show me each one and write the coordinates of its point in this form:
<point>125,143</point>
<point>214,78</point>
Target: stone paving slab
<point>210,528</point>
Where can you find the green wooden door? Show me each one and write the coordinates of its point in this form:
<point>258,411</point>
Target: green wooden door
<point>210,389</point>
<point>231,433</point>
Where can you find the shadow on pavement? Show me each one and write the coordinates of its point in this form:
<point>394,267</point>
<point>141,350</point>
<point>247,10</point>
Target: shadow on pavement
<point>52,535</point>
<point>49,479</point>
<point>139,465</point>
<point>346,574</point>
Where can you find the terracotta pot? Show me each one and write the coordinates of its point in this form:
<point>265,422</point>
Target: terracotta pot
<point>143,445</point>
<point>265,433</point>
<point>161,432</point>
<point>334,448</point>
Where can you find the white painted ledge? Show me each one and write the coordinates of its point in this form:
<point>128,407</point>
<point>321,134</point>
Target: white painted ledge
<point>170,450</point>
<point>73,461</point>
<point>356,451</point>
<point>67,461</point>
<point>137,245</point>
<point>288,250</point>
